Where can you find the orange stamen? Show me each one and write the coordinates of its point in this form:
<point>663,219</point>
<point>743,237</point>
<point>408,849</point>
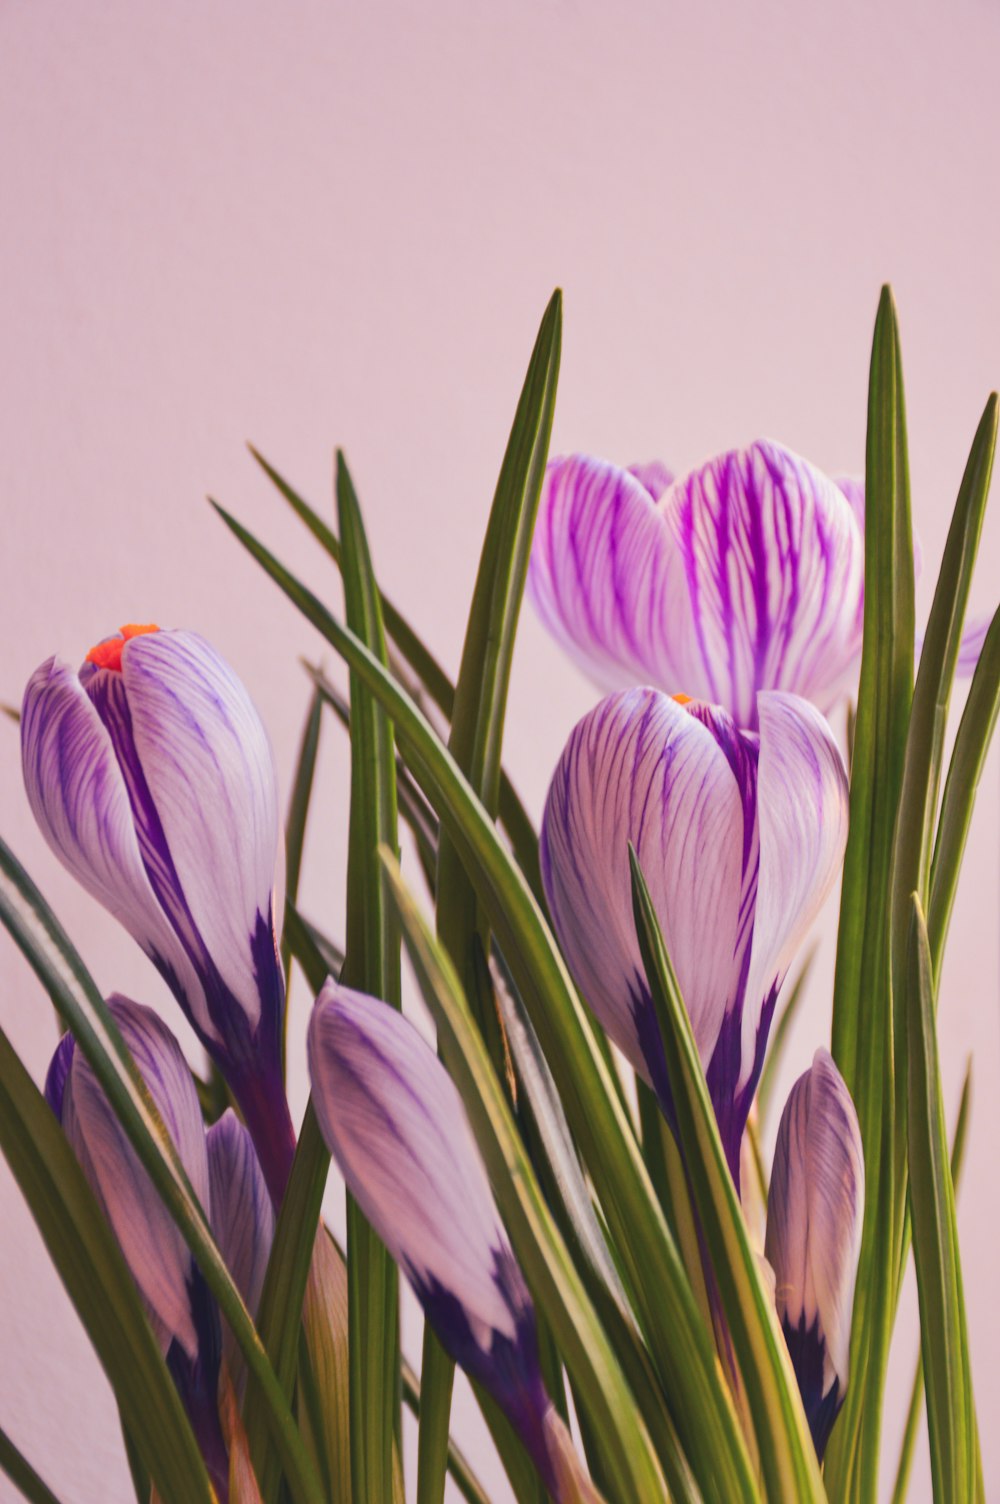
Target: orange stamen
<point>109,654</point>
<point>682,699</point>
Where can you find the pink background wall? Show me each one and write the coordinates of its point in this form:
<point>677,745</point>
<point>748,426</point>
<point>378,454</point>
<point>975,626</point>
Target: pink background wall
<point>308,224</point>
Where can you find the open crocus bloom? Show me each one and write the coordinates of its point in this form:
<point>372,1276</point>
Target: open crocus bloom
<point>225,1176</point>
<point>743,576</point>
<point>394,1122</point>
<point>814,1225</point>
<point>739,835</point>
<point>152,778</point>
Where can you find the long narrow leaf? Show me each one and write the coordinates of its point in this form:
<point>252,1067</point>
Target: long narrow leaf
<point>862,1012</point>
<point>479,708</point>
<point>97,1279</point>
<point>541,1251</point>
<point>325,959</point>
<point>298,812</point>
<point>371,964</point>
<point>23,1476</point>
<point>413,807</point>
<point>475,742</point>
<point>429,672</point>
<point>787,1456</point>
<point>944,1343</point>
<point>975,732</point>
<point>284,1292</point>
<point>459,1467</point>
<point>538,1090</point>
<point>917,1387</point>
<point>681,1345</point>
<point>37,932</point>
<point>915,821</point>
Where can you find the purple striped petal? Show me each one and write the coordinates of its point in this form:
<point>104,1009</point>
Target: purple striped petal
<point>642,768</point>
<point>654,475</point>
<point>800,821</point>
<point>602,573</point>
<point>814,1225</point>
<point>79,799</point>
<point>242,1215</point>
<point>209,768</point>
<point>395,1124</point>
<point>773,561</point>
<point>58,1074</point>
<point>802,813</point>
<point>739,836</point>
<point>745,575</point>
<point>853,487</point>
<point>154,1249</point>
<point>242,1219</point>
<point>152,777</point>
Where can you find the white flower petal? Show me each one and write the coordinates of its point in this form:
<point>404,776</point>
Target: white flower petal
<point>153,1247</point>
<point>641,768</point>
<point>802,812</point>
<point>210,770</point>
<point>396,1126</point>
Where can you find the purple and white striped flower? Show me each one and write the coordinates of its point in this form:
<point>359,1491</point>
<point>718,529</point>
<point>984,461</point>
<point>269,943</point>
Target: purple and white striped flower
<point>395,1124</point>
<point>225,1175</point>
<point>152,778</point>
<point>242,1220</point>
<point>814,1222</point>
<point>182,1313</point>
<point>739,835</point>
<point>745,575</point>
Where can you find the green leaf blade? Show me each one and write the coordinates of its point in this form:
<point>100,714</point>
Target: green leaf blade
<point>944,1342</point>
<point>37,932</point>
<point>475,742</point>
<point>975,732</point>
<point>371,964</point>
<point>97,1279</point>
<point>541,1252</point>
<point>862,1041</point>
<point>680,1344</point>
<point>787,1457</point>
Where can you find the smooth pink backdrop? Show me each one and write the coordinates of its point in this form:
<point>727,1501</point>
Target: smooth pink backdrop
<point>312,224</point>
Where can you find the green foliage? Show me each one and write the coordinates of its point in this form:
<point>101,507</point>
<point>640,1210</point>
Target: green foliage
<point>944,1340</point>
<point>650,1295</point>
<point>371,964</point>
<point>787,1458</point>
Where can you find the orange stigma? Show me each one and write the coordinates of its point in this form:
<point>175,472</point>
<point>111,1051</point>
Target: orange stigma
<point>109,654</point>
<point>682,699</point>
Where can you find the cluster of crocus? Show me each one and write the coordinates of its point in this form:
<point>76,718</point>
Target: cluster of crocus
<point>152,777</point>
<point>741,585</point>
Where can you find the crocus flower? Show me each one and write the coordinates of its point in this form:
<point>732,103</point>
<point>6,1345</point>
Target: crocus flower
<point>152,778</point>
<point>745,575</point>
<point>225,1175</point>
<point>242,1221</point>
<point>395,1124</point>
<point>182,1313</point>
<point>739,835</point>
<point>814,1223</point>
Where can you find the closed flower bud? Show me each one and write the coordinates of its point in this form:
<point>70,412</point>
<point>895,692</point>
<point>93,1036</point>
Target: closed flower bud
<point>152,778</point>
<point>395,1124</point>
<point>814,1222</point>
